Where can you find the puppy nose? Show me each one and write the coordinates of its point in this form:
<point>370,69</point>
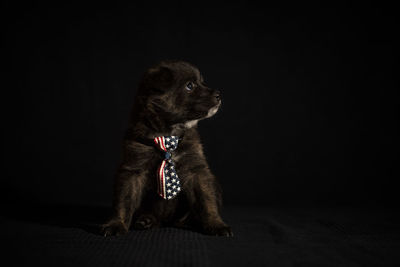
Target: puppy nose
<point>217,94</point>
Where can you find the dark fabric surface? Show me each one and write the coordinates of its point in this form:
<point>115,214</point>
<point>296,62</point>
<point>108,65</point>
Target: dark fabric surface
<point>66,236</point>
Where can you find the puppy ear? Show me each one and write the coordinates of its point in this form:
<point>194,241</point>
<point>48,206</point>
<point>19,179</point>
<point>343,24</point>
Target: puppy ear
<point>158,79</point>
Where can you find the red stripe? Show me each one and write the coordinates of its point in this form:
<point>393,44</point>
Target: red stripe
<point>163,182</point>
<point>162,144</point>
<point>158,141</point>
<point>161,179</point>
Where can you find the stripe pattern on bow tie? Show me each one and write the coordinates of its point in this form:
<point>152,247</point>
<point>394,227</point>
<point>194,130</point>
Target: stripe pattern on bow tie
<point>168,182</point>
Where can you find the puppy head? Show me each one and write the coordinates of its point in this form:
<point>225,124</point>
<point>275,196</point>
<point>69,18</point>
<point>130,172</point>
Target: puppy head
<point>175,90</point>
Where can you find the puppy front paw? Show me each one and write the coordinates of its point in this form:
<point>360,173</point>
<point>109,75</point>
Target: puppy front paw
<point>218,230</point>
<point>113,228</point>
<point>144,222</point>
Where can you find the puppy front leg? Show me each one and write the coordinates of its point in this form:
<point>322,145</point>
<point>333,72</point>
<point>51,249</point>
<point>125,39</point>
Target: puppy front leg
<point>128,190</point>
<point>210,219</point>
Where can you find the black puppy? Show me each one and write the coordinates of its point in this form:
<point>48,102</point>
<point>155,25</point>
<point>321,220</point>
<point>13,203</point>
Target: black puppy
<point>164,178</point>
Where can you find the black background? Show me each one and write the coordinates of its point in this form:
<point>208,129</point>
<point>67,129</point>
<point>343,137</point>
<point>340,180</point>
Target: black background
<point>309,108</point>
<point>305,144</point>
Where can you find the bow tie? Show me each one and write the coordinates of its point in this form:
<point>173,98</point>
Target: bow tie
<point>168,182</point>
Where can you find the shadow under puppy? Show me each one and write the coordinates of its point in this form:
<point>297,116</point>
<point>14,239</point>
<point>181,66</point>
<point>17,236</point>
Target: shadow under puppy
<point>164,178</point>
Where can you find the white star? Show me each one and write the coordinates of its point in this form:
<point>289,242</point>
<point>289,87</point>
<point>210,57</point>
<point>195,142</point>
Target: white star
<point>167,139</point>
<point>177,182</point>
<point>168,184</point>
<point>173,174</point>
<point>171,167</point>
<point>173,187</point>
<point>166,171</point>
<point>167,177</point>
<point>174,193</point>
<point>169,190</point>
<point>173,142</point>
<point>179,189</point>
<point>173,180</point>
<point>169,197</point>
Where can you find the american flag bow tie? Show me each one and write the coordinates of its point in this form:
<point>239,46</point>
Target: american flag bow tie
<point>168,182</point>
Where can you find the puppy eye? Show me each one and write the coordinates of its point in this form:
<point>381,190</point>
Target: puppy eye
<point>189,86</point>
